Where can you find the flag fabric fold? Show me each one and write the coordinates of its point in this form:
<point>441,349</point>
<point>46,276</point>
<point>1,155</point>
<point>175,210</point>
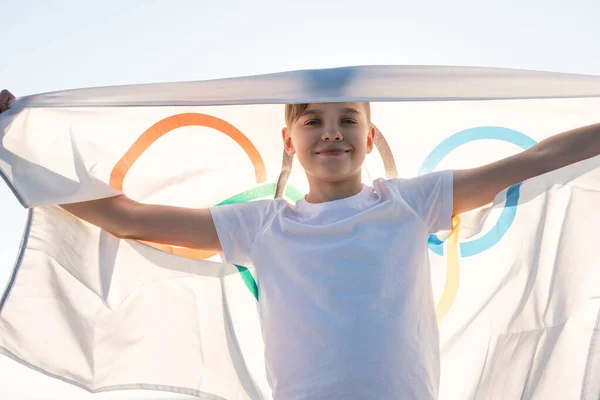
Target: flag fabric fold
<point>517,283</point>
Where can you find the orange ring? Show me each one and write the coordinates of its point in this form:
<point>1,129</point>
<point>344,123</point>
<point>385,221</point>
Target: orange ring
<point>166,125</point>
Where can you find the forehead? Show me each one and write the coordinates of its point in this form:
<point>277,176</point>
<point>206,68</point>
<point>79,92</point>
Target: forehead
<point>320,108</point>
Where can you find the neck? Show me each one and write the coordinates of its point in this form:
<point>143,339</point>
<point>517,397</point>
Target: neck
<point>323,191</point>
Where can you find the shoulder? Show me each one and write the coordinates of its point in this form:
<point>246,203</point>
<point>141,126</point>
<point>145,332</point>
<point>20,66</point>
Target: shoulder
<point>423,183</point>
<point>429,196</point>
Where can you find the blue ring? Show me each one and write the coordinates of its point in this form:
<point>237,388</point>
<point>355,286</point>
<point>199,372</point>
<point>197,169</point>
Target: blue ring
<point>476,246</point>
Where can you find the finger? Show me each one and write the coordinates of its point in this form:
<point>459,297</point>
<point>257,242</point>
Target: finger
<point>3,107</point>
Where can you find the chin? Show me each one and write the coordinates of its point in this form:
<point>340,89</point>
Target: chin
<point>332,173</point>
<point>334,176</point>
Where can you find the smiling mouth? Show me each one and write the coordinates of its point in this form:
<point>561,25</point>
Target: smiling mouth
<point>333,152</point>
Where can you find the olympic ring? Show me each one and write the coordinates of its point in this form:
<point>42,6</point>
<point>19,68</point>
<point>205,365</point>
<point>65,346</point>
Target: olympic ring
<point>476,246</point>
<point>165,126</point>
<point>488,240</point>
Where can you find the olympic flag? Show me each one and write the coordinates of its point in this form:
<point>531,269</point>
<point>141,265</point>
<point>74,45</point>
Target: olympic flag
<point>517,283</point>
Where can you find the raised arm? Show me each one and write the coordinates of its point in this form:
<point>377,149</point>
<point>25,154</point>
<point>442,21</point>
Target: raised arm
<point>477,187</point>
<point>128,219</point>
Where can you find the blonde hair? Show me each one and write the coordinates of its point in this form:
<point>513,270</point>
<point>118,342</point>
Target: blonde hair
<point>294,111</point>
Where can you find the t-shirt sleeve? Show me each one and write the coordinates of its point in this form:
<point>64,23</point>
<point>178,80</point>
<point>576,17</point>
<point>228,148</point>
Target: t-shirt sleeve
<point>238,226</point>
<point>430,197</point>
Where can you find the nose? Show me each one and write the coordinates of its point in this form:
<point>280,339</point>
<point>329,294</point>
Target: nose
<point>332,134</point>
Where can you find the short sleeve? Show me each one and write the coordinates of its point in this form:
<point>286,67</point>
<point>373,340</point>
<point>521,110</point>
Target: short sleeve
<point>430,197</point>
<point>238,225</point>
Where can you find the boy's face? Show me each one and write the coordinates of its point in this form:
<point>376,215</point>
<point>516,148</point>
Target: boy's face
<point>331,140</point>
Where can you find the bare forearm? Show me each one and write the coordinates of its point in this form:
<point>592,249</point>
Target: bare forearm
<point>110,214</point>
<point>570,147</point>
<point>172,225</point>
<point>128,219</point>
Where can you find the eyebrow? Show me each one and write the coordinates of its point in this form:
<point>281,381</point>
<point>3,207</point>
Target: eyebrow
<point>346,110</point>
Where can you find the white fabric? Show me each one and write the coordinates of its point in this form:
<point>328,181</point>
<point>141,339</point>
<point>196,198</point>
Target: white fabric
<point>346,304</point>
<point>518,310</point>
<point>366,83</point>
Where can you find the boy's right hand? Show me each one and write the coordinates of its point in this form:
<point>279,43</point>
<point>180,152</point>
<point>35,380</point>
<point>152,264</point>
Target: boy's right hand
<point>5,98</point>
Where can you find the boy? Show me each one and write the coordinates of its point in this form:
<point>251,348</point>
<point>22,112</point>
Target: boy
<point>346,301</point>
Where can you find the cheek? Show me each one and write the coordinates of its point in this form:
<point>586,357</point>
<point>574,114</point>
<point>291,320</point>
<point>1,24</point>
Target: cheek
<point>302,150</point>
<point>305,142</point>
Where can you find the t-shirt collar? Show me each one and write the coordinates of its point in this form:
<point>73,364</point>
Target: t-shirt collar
<point>304,206</point>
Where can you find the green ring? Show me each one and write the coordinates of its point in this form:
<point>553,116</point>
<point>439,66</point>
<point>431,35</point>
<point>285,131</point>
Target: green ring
<point>258,192</point>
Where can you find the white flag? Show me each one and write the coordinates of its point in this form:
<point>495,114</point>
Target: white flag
<point>517,284</point>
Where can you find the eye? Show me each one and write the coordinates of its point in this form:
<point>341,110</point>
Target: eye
<point>348,121</point>
<point>312,122</point>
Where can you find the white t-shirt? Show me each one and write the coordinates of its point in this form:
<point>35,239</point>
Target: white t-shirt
<point>345,296</point>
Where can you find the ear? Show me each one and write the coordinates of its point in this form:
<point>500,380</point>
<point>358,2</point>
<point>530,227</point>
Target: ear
<point>371,139</point>
<point>287,142</point>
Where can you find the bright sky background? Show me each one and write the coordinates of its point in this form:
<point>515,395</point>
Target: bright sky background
<point>52,45</point>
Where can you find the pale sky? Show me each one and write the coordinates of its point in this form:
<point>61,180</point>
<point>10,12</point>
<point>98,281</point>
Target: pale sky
<point>53,45</point>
